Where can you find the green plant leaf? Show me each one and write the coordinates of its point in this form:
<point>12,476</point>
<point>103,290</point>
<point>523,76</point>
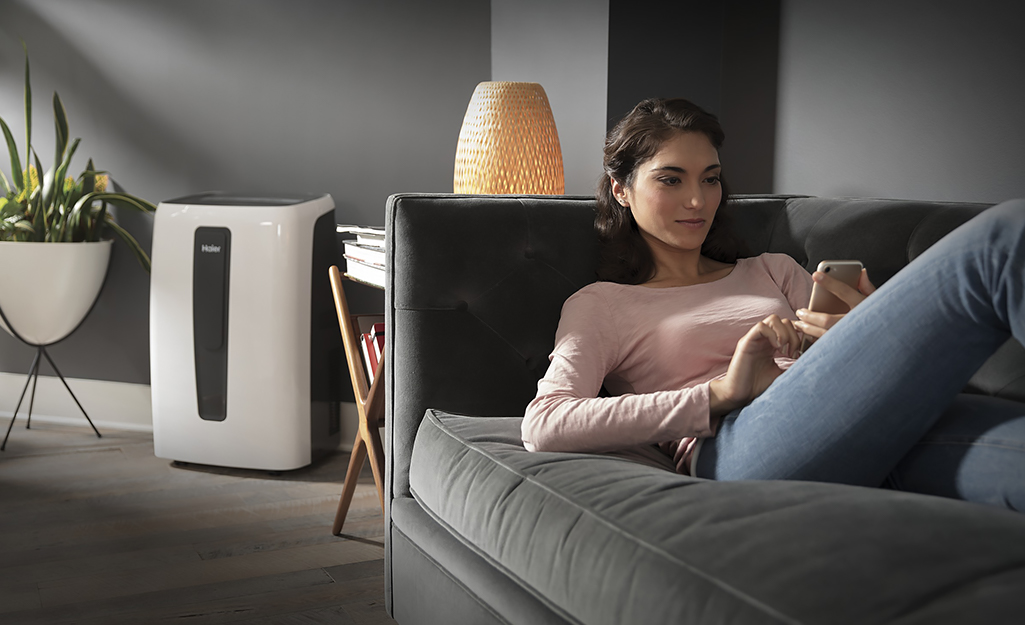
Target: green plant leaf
<point>15,228</point>
<point>47,183</point>
<point>88,178</point>
<point>123,200</point>
<point>73,230</point>
<point>12,148</point>
<point>58,203</point>
<point>60,122</point>
<point>97,220</point>
<point>41,220</point>
<point>73,197</point>
<point>140,253</point>
<point>92,172</point>
<point>73,217</point>
<point>12,208</point>
<point>53,182</point>
<point>28,111</point>
<point>7,184</point>
<point>70,226</point>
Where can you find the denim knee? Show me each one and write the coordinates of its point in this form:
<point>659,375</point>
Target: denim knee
<point>975,452</point>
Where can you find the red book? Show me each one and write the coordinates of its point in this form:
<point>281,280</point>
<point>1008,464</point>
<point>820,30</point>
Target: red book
<point>377,337</point>
<point>369,356</point>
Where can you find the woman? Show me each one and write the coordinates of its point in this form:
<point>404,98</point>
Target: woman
<point>697,348</point>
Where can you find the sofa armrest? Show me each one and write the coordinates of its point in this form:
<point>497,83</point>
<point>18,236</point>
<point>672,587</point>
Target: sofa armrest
<point>475,290</point>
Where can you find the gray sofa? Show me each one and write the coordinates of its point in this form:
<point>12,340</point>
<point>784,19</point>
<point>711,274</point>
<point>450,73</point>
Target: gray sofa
<point>481,531</point>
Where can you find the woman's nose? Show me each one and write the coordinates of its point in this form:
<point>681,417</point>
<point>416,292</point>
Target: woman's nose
<point>694,198</point>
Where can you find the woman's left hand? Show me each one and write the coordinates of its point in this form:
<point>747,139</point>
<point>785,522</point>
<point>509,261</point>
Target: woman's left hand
<point>816,324</point>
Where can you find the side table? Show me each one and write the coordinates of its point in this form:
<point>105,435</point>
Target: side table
<point>369,403</point>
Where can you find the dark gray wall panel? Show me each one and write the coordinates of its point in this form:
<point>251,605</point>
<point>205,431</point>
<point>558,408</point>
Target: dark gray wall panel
<point>720,55</point>
<point>748,111</point>
<point>664,49</point>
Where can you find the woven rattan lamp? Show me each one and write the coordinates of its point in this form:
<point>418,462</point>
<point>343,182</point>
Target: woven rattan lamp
<point>508,142</point>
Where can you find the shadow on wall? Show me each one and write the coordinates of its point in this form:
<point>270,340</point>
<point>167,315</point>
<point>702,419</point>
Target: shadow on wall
<point>116,321</point>
<point>70,65</point>
<point>356,99</point>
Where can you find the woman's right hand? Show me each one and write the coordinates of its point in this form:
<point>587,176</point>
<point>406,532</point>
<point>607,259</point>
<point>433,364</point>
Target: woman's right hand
<point>753,367</point>
<point>815,324</point>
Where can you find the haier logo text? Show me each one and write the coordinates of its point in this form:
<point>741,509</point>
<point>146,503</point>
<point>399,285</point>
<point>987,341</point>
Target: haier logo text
<point>212,249</point>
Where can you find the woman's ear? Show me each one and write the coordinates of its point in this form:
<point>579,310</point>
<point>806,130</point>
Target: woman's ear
<point>619,192</point>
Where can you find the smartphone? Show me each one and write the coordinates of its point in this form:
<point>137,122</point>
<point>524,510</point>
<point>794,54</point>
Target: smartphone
<point>822,300</point>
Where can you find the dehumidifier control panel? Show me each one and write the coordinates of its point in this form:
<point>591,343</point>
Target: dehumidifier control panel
<point>211,259</point>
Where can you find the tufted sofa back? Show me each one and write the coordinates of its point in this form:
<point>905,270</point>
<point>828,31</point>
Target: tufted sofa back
<point>476,285</point>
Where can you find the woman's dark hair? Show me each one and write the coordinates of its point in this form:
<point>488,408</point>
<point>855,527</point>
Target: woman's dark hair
<point>625,256</point>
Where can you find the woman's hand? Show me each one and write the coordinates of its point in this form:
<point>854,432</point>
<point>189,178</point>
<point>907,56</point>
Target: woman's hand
<point>752,368</point>
<point>816,324</point>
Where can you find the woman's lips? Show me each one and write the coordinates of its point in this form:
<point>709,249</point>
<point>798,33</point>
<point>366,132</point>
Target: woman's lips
<point>691,223</point>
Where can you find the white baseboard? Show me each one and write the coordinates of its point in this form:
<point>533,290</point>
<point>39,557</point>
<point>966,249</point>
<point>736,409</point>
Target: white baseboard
<point>114,405</point>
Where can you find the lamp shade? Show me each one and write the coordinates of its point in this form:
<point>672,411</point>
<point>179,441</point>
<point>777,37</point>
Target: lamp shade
<point>508,142</point>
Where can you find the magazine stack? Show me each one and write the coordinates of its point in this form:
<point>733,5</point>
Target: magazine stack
<point>364,255</point>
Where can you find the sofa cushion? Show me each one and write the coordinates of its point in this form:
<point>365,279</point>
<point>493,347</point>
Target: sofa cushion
<point>678,549</point>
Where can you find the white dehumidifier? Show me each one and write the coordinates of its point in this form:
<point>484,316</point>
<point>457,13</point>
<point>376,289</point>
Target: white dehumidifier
<point>246,361</point>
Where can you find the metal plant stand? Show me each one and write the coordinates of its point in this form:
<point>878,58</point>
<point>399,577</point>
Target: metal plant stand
<point>33,374</point>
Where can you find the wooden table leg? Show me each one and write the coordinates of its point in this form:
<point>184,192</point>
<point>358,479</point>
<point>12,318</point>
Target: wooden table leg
<point>356,459</point>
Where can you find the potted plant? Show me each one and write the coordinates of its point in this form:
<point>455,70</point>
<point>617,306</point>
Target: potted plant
<point>57,231</point>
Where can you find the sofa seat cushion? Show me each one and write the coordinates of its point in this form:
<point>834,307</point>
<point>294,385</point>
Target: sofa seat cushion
<point>607,540</point>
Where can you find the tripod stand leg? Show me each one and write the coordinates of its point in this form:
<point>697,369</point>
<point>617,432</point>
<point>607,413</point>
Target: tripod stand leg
<point>57,371</point>
<point>33,370</point>
<point>32,397</point>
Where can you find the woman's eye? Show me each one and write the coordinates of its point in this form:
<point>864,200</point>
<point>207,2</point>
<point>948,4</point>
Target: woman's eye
<point>712,180</point>
<point>671,180</point>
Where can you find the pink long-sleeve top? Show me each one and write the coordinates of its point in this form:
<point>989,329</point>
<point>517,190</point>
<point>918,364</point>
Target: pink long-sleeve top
<point>656,350</point>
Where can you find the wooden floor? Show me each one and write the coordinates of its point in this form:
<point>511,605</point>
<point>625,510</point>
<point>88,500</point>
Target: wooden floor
<point>101,531</point>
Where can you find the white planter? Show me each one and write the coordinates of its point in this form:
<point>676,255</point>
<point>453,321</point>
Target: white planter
<point>46,289</point>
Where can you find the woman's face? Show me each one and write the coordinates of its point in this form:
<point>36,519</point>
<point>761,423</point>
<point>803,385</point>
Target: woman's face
<point>675,194</point>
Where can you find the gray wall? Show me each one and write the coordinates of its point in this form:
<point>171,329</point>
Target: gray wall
<point>356,99</point>
<point>562,44</point>
<point>918,99</point>
<point>915,99</point>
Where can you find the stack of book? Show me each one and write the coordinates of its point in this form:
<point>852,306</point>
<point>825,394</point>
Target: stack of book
<point>364,255</point>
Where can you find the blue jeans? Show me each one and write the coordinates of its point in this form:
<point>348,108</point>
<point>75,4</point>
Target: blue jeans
<point>876,401</point>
